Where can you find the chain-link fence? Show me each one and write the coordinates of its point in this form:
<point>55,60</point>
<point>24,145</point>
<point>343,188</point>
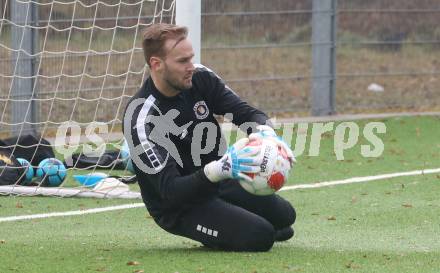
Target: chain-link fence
<point>387,53</point>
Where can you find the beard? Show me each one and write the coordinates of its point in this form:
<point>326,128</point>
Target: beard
<point>175,83</point>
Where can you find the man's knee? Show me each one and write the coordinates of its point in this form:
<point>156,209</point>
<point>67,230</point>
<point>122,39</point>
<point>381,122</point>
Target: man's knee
<point>290,215</point>
<point>259,237</point>
<point>286,214</point>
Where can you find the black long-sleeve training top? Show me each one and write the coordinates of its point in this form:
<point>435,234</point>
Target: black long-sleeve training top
<point>171,132</point>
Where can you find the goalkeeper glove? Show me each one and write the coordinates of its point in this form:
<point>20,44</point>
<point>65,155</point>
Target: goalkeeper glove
<point>267,132</point>
<point>237,161</point>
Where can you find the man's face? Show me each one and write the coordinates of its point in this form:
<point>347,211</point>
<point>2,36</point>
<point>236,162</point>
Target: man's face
<point>178,66</point>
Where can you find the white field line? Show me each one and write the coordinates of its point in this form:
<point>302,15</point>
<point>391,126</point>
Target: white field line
<point>360,179</point>
<point>70,213</point>
<point>301,186</point>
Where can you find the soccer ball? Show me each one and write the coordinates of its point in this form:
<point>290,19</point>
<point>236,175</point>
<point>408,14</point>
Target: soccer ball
<point>125,155</point>
<point>29,171</point>
<point>274,172</point>
<point>51,172</point>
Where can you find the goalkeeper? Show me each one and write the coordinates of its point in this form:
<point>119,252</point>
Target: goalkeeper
<point>198,200</point>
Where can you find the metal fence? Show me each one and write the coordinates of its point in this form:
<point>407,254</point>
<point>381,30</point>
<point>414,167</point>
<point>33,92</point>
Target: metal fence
<point>321,57</point>
<point>287,57</point>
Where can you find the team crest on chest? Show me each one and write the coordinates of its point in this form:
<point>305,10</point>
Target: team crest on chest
<point>201,109</point>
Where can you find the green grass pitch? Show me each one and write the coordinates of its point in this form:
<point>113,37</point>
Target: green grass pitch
<point>382,226</point>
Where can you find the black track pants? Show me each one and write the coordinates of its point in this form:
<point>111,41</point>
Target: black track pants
<point>236,220</point>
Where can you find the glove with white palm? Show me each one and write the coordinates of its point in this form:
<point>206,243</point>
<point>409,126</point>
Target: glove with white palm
<point>267,132</point>
<point>238,160</point>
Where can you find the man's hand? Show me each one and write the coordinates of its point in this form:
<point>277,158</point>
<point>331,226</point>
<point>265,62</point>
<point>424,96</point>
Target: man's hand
<point>237,161</point>
<point>265,131</point>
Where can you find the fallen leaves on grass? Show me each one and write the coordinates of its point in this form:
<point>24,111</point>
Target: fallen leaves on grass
<point>352,265</point>
<point>396,151</point>
<point>133,263</point>
<point>138,271</point>
<point>386,257</point>
<point>293,268</point>
<point>104,249</point>
<point>331,218</point>
<point>407,205</point>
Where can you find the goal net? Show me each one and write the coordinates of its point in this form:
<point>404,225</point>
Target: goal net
<point>68,68</point>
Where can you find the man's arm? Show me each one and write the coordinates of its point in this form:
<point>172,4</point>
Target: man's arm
<point>170,184</point>
<point>236,163</point>
<point>153,163</point>
<point>156,167</point>
<point>225,101</point>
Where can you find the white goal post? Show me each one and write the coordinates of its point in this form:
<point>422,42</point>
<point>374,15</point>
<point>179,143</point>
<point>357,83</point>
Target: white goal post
<point>76,62</point>
<point>188,13</point>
